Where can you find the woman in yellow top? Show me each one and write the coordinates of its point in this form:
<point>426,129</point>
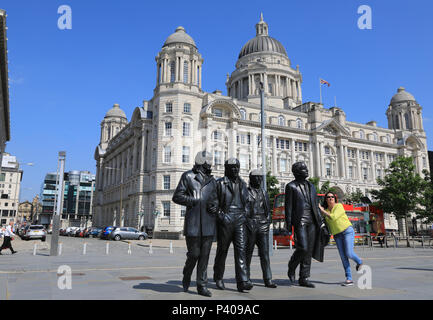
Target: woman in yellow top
<point>340,226</point>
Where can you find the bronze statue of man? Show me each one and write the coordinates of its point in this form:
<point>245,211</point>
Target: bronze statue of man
<point>301,211</point>
<point>197,191</point>
<point>258,221</point>
<point>232,195</point>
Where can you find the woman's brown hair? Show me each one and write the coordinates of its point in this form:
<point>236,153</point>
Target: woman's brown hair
<point>325,205</point>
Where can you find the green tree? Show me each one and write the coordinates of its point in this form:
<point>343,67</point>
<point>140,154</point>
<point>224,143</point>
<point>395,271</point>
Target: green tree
<point>273,188</point>
<point>354,197</point>
<point>325,188</point>
<point>425,210</point>
<point>315,181</point>
<point>400,190</point>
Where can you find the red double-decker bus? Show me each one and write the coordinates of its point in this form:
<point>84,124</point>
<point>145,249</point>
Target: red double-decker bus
<point>359,217</point>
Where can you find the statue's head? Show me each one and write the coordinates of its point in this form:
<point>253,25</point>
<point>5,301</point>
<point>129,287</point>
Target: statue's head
<point>231,168</point>
<point>256,178</point>
<point>300,170</point>
<point>203,162</point>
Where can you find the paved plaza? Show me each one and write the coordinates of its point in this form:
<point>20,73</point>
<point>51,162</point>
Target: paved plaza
<point>396,273</point>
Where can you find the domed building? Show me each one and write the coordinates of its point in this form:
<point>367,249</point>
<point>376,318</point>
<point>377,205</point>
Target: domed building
<point>140,161</point>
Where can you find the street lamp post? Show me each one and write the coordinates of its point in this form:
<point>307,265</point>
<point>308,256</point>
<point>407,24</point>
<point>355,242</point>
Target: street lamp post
<point>56,217</point>
<point>16,201</point>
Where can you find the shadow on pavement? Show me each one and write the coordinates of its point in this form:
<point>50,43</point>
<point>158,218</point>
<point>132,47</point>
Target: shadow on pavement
<point>167,288</point>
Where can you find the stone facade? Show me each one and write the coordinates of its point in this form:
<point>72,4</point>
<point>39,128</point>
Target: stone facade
<point>139,167</point>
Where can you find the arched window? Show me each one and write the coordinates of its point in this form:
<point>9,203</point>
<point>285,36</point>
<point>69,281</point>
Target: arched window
<point>185,71</point>
<point>243,114</point>
<point>172,68</point>
<point>361,134</point>
<point>388,138</point>
<point>375,138</point>
<point>299,123</point>
<point>281,121</point>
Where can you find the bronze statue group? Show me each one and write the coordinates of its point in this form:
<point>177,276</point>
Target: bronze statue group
<point>236,213</point>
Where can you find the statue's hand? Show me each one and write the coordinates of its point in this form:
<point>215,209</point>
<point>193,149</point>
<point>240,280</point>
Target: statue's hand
<point>212,209</point>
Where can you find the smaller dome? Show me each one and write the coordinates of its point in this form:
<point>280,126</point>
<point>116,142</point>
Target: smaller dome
<point>179,36</point>
<point>401,96</point>
<point>116,112</point>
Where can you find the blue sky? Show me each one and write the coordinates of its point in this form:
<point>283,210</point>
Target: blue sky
<point>63,82</point>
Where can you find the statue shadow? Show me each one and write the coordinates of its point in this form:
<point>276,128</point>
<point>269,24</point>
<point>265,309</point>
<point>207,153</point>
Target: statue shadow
<point>169,287</point>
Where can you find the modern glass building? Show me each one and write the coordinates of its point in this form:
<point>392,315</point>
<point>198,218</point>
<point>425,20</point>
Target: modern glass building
<point>78,189</point>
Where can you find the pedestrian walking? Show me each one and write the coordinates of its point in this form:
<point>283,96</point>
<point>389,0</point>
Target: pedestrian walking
<point>8,237</point>
<point>344,235</point>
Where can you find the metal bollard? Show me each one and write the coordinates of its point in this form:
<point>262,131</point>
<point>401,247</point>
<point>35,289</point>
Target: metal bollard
<point>107,248</point>
<point>84,248</point>
<point>60,248</point>
<point>129,248</point>
<point>422,241</point>
<point>150,248</point>
<point>276,248</point>
<point>35,248</point>
<point>171,247</point>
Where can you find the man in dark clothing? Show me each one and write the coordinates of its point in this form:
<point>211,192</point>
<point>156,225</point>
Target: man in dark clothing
<point>301,210</point>
<point>258,221</point>
<point>232,195</point>
<point>197,191</point>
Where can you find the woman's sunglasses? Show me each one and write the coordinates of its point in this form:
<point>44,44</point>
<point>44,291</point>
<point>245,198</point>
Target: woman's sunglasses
<point>328,197</point>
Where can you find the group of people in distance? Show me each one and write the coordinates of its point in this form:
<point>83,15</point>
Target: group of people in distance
<point>236,213</point>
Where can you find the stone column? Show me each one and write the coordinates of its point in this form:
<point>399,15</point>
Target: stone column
<point>300,91</point>
<point>322,161</point>
<point>373,165</point>
<point>232,141</point>
<point>274,155</point>
<point>292,147</point>
<point>265,82</point>
<point>345,162</point>
<point>358,164</point>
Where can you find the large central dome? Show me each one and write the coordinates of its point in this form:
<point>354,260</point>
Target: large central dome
<point>262,42</point>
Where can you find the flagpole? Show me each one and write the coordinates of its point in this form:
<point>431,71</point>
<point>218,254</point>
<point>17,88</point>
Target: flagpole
<point>320,85</point>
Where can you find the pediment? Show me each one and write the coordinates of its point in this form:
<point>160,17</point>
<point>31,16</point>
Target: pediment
<point>333,128</point>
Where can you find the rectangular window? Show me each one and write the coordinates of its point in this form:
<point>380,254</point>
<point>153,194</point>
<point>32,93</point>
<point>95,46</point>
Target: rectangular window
<point>328,169</point>
<point>168,127</point>
<point>166,208</point>
<point>365,173</point>
<point>350,172</point>
<point>217,135</point>
<point>167,154</point>
<point>283,165</point>
<point>379,173</point>
<point>185,154</point>
<point>187,108</point>
<point>327,150</point>
<point>186,129</point>
<point>166,182</point>
<point>243,159</point>
<point>169,107</point>
<point>217,157</point>
<point>217,112</point>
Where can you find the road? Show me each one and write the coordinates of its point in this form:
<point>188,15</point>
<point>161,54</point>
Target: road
<point>401,273</point>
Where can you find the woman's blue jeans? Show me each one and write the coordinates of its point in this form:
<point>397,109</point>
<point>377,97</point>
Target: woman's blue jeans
<point>345,242</point>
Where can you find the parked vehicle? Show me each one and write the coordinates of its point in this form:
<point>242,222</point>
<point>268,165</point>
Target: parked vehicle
<point>105,234</point>
<point>35,232</point>
<point>70,231</point>
<point>127,233</point>
<point>94,232</point>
